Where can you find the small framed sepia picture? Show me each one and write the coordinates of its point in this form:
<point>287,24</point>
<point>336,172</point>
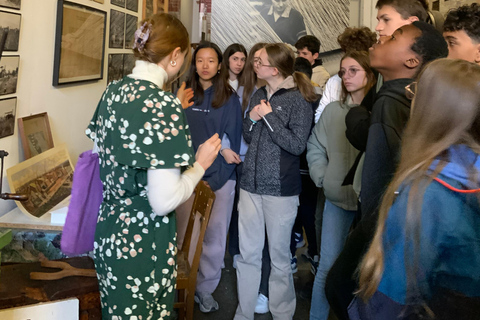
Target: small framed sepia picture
<point>35,134</point>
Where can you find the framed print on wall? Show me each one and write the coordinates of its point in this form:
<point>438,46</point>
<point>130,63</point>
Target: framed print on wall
<point>117,29</point>
<point>119,3</point>
<point>13,4</point>
<point>7,116</point>
<point>115,67</point>
<point>79,43</point>
<point>10,21</point>
<point>132,5</point>
<point>35,134</point>
<point>9,74</point>
<point>130,28</point>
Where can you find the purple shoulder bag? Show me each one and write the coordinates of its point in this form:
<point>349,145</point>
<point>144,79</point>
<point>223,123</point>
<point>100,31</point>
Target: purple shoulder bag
<point>87,196</point>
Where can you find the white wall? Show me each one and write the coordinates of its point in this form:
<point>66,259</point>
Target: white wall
<point>69,108</point>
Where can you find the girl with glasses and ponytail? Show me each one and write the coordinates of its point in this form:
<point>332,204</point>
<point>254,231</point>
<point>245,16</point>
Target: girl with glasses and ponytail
<point>277,127</point>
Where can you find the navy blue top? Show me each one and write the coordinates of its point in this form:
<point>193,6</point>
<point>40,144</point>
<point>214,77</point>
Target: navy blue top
<point>205,121</point>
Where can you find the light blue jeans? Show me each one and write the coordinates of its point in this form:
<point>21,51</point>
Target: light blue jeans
<point>335,226</point>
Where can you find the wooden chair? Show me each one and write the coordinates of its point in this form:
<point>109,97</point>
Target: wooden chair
<point>187,273</point>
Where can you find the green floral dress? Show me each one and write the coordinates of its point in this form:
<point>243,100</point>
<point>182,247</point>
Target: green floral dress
<point>138,127</point>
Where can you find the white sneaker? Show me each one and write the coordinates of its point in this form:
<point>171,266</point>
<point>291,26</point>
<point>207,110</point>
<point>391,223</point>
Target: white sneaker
<point>262,304</point>
<point>235,258</point>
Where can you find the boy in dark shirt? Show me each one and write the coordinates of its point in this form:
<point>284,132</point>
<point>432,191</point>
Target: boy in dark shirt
<point>399,59</point>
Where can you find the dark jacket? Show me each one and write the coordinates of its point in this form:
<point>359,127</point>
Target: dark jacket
<point>272,163</point>
<point>448,270</point>
<point>204,121</point>
<point>390,114</point>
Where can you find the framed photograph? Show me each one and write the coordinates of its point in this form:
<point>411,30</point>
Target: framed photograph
<point>11,22</point>
<point>46,179</point>
<point>7,116</point>
<point>79,43</point>
<point>130,28</point>
<point>9,74</point>
<point>115,67</point>
<point>99,1</point>
<point>35,134</point>
<point>132,5</point>
<point>128,63</point>
<point>14,4</point>
<point>151,7</point>
<point>117,29</point>
<point>120,3</point>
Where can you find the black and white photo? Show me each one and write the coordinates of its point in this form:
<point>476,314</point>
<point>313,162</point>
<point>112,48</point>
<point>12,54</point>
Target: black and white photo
<point>132,5</point>
<point>115,67</point>
<point>278,21</point>
<point>120,3</point>
<point>7,116</point>
<point>10,22</point>
<point>9,74</point>
<point>130,27</point>
<point>117,29</point>
<point>13,4</point>
<point>128,63</point>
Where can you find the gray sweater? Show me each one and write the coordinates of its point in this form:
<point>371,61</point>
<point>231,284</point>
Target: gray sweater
<point>330,156</point>
<point>272,163</point>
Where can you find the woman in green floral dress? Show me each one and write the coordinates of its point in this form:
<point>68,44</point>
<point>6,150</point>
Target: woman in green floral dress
<point>147,168</point>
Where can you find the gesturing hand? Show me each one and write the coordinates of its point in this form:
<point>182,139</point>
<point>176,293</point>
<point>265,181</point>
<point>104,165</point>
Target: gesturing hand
<point>208,151</point>
<point>264,108</point>
<point>185,95</point>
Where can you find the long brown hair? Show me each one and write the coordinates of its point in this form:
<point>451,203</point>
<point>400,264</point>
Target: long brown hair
<point>231,50</point>
<point>362,58</point>
<point>249,79</point>
<point>166,34</point>
<point>282,57</point>
<point>445,112</point>
<point>223,90</point>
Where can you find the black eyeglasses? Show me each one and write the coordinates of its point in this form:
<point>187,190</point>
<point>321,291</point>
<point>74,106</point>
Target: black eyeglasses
<point>410,90</point>
<point>350,72</point>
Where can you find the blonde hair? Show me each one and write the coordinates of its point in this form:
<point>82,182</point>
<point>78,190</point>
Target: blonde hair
<point>445,112</point>
<point>166,34</point>
<point>282,57</point>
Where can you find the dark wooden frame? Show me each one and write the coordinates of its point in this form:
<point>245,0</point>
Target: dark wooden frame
<point>58,45</point>
<point>23,129</point>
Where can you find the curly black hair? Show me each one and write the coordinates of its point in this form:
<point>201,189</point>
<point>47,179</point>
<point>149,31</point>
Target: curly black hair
<point>430,45</point>
<point>466,18</point>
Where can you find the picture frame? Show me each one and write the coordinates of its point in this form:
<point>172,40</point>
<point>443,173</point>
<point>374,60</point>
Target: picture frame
<point>115,67</point>
<point>132,5</point>
<point>128,63</point>
<point>9,74</point>
<point>131,23</point>
<point>10,21</point>
<point>35,134</point>
<point>117,29</point>
<point>13,4</point>
<point>46,179</point>
<point>118,3</point>
<point>7,116</point>
<point>79,43</point>
<point>150,7</point>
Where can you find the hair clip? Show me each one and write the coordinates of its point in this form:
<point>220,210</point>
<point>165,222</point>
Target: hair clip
<point>141,36</point>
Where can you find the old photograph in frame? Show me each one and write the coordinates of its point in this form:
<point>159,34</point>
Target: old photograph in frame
<point>119,3</point>
<point>35,134</point>
<point>10,21</point>
<point>128,63</point>
<point>13,4</point>
<point>7,116</point>
<point>46,179</point>
<point>9,74</point>
<point>79,43</point>
<point>130,27</point>
<point>115,67</point>
<point>117,29</point>
<point>132,5</point>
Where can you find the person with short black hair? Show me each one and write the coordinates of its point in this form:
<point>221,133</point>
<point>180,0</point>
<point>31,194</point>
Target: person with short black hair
<point>399,58</point>
<point>461,30</point>
<point>308,47</point>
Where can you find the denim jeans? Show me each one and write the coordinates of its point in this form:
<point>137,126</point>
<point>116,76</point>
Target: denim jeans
<point>335,226</point>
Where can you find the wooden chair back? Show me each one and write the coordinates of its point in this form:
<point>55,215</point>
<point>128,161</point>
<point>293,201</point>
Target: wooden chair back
<point>187,273</point>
